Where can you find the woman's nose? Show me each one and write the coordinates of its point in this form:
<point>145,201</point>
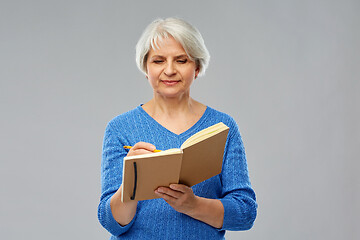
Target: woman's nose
<point>170,69</point>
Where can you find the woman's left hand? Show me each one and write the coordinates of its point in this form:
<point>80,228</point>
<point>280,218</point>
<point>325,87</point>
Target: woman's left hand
<point>180,197</point>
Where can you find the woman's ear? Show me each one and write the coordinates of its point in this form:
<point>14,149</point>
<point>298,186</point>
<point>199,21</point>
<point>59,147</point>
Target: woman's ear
<point>197,72</point>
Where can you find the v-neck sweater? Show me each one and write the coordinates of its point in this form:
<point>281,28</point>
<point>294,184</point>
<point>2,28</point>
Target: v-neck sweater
<point>155,219</point>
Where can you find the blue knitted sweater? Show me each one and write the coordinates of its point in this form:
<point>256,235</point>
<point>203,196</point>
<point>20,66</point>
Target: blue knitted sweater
<point>155,219</point>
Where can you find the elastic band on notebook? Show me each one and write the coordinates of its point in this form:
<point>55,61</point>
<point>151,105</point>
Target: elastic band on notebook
<point>135,181</point>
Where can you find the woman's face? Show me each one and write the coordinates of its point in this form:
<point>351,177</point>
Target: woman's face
<point>169,70</point>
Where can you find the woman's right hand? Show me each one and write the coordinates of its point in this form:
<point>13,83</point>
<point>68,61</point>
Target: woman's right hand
<point>141,148</point>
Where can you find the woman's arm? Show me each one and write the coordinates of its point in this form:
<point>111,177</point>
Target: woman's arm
<point>124,212</point>
<point>238,197</point>
<point>113,215</point>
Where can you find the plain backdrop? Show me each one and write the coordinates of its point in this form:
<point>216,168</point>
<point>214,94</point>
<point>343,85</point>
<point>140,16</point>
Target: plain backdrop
<point>287,71</point>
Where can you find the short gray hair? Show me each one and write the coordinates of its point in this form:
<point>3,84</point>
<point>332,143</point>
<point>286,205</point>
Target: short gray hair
<point>183,32</point>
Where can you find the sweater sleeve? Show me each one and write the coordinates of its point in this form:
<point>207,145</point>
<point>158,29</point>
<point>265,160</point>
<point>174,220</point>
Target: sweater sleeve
<point>239,201</point>
<point>111,178</point>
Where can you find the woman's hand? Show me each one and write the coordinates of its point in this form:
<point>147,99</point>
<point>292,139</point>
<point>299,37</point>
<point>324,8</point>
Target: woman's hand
<point>183,199</point>
<point>141,148</point>
<point>180,197</point>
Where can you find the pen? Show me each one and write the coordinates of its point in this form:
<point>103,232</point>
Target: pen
<point>129,147</point>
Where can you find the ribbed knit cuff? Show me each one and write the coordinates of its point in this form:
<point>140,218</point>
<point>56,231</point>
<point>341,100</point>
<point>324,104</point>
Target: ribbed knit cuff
<point>229,211</point>
<point>232,220</point>
<point>112,225</point>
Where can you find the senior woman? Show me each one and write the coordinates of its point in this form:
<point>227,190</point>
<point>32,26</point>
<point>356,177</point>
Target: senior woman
<point>172,54</point>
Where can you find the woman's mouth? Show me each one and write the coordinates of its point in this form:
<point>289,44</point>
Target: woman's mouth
<point>170,82</point>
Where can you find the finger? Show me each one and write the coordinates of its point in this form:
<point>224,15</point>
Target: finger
<point>164,196</point>
<point>141,148</point>
<point>144,145</point>
<point>138,152</point>
<point>180,188</point>
<point>169,192</point>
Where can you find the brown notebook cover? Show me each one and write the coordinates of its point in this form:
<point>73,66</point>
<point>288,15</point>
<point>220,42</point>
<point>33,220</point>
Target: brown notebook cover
<point>191,164</point>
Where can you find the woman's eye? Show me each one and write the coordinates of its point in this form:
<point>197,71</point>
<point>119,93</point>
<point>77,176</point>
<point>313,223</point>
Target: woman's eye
<point>182,61</point>
<point>158,61</point>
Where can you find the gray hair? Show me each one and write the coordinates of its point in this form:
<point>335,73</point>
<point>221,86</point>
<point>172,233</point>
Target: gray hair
<point>183,32</point>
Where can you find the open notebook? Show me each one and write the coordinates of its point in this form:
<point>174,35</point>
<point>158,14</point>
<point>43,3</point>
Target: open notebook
<point>199,158</point>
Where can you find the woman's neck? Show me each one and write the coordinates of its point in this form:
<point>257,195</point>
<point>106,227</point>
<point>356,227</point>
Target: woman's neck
<point>170,107</point>
<point>176,116</point>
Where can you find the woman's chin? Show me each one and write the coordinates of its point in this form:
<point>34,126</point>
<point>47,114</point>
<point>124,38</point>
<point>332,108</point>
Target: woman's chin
<point>171,94</point>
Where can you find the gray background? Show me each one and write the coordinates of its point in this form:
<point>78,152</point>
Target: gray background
<point>287,71</point>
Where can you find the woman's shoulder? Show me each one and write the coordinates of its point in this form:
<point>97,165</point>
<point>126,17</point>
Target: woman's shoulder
<point>125,118</point>
<point>220,116</point>
<point>216,116</point>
